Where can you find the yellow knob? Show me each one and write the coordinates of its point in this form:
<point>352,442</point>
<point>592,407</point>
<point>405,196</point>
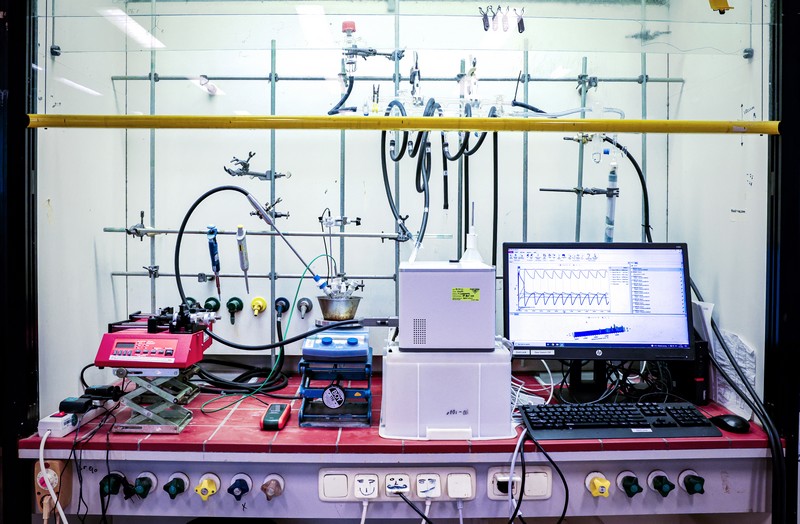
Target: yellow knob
<point>598,485</point>
<point>258,304</point>
<point>206,488</point>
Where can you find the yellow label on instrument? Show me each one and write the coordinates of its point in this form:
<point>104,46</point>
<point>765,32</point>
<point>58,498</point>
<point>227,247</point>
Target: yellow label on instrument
<point>466,294</point>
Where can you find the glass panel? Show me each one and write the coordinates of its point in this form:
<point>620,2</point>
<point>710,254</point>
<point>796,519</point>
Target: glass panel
<point>654,59</point>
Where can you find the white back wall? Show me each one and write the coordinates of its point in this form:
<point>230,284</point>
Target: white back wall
<point>90,180</point>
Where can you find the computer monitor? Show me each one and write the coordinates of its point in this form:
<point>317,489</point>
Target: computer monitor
<point>608,302</point>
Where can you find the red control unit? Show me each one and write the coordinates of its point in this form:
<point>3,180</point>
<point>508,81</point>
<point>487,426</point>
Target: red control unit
<point>136,348</point>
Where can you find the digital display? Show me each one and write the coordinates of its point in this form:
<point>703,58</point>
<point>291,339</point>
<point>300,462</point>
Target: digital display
<point>601,301</point>
<point>125,344</point>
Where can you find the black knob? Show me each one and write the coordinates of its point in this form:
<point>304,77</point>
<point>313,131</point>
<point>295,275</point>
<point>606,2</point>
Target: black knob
<point>630,485</point>
<point>175,487</point>
<point>662,485</point>
<point>694,484</point>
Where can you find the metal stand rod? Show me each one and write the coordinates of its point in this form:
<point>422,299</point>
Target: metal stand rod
<point>276,276</point>
<point>525,78</point>
<point>383,236</point>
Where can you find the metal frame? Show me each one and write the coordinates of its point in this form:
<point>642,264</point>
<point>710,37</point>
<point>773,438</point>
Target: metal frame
<point>18,290</point>
<point>18,259</point>
<point>782,348</point>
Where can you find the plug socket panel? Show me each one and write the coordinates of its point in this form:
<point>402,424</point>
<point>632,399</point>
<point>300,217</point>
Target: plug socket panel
<point>59,472</point>
<point>538,482</point>
<point>340,484</point>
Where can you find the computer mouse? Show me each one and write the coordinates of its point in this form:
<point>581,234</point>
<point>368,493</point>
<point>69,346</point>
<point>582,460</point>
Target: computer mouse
<point>731,422</point>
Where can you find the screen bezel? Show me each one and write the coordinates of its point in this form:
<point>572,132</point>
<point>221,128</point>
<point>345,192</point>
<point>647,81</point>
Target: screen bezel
<point>610,352</point>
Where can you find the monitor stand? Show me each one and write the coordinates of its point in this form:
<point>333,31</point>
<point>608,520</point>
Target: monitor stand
<point>580,391</point>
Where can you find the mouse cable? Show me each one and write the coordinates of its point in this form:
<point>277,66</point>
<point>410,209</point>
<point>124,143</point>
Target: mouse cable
<point>754,402</point>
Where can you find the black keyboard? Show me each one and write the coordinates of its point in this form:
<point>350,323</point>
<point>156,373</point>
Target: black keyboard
<point>605,421</point>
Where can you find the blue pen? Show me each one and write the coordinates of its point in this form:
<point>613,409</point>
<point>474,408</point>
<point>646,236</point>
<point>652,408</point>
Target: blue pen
<point>213,250</point>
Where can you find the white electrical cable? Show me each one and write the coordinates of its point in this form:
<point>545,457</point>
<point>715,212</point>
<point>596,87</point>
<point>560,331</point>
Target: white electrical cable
<point>460,506</point>
<point>515,402</point>
<point>552,384</point>
<point>427,509</point>
<point>511,471</point>
<point>364,504</point>
<point>47,480</point>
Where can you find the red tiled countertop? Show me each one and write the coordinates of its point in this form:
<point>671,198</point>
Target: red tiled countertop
<point>235,429</point>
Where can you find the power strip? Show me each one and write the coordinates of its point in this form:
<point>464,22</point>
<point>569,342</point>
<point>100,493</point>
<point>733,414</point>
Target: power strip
<point>62,424</point>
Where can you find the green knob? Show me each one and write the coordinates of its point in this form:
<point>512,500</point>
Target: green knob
<point>211,304</point>
<point>110,484</point>
<point>191,302</point>
<point>175,487</point>
<point>630,485</point>
<point>234,305</point>
<point>662,485</point>
<point>142,486</point>
<point>694,484</point>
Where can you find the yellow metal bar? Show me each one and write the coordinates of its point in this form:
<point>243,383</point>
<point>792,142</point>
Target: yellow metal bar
<point>380,123</point>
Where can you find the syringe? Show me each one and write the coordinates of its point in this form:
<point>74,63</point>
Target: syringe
<point>244,262</point>
<point>213,250</point>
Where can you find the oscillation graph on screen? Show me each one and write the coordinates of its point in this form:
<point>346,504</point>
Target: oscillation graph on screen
<point>562,289</point>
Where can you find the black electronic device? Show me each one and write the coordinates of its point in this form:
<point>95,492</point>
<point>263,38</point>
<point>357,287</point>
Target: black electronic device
<point>689,379</point>
<point>593,421</point>
<point>601,302</point>
<point>732,423</point>
<point>80,404</point>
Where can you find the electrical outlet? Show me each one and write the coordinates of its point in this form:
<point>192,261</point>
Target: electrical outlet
<point>538,483</point>
<point>444,484</point>
<point>460,486</point>
<point>366,486</point>
<point>397,483</point>
<point>429,486</point>
<point>502,482</point>
<point>60,475</point>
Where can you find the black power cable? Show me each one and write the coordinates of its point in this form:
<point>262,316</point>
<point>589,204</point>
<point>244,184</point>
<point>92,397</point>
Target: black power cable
<point>779,508</point>
<point>773,436</point>
<point>415,508</point>
<point>560,474</point>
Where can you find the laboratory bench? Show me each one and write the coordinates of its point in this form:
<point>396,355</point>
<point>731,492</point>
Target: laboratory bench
<point>320,470</point>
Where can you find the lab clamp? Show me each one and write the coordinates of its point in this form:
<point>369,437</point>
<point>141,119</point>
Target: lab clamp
<point>611,192</point>
<point>158,354</point>
<point>350,54</point>
<point>243,169</point>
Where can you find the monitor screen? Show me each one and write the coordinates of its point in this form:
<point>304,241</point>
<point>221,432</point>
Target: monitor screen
<point>597,301</point>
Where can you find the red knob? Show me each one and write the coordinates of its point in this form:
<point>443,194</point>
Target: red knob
<point>348,26</point>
